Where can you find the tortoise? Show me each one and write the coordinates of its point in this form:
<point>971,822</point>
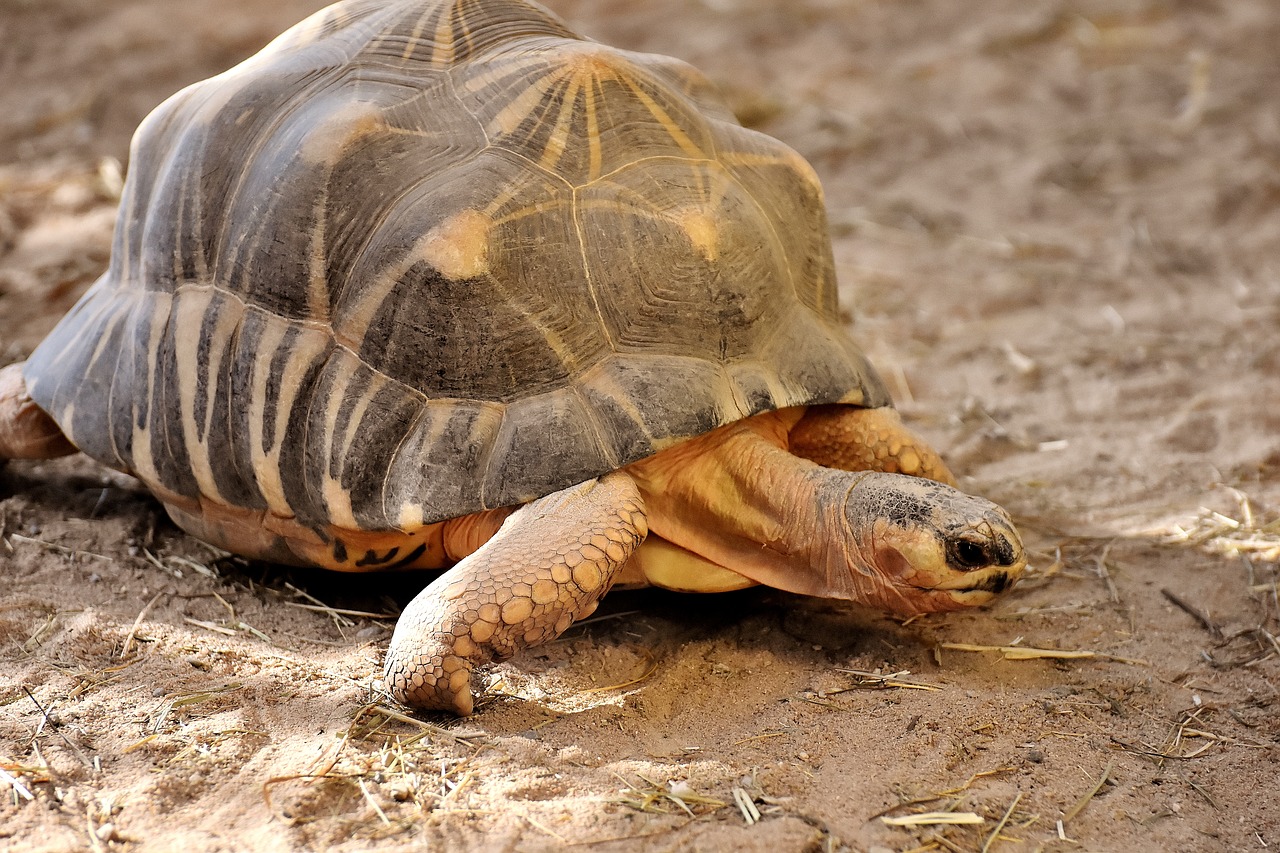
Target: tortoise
<point>440,284</point>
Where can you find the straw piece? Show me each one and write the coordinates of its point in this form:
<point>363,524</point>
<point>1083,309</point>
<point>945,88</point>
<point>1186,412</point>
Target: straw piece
<point>936,819</point>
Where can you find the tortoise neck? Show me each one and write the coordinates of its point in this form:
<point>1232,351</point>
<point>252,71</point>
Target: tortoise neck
<point>739,498</point>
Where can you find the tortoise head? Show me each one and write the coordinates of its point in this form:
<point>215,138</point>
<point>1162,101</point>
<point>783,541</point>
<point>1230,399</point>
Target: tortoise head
<point>915,546</point>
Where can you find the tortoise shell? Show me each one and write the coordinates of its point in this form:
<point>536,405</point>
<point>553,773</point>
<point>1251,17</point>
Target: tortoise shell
<point>418,259</point>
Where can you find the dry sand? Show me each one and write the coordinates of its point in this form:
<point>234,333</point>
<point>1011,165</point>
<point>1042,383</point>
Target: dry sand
<point>1059,227</point>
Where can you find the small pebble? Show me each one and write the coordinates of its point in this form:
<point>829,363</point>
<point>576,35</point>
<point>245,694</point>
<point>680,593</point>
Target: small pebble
<point>1035,756</point>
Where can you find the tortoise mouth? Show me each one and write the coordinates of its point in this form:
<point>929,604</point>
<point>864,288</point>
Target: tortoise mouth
<point>994,583</point>
<point>989,583</point>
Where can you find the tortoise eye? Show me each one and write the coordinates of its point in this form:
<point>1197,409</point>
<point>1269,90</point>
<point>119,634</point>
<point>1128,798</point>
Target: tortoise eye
<point>966,555</point>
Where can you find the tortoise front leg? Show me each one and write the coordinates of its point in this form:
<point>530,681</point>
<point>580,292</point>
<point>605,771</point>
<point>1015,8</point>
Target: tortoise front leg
<point>26,430</point>
<point>550,564</point>
<point>851,438</point>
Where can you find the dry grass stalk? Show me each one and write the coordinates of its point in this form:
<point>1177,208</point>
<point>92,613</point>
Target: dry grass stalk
<point>36,774</point>
<point>322,608</point>
<point>374,710</point>
<point>1199,790</point>
<point>937,840</point>
<point>1195,613</point>
<point>372,803</point>
<point>133,631</point>
<point>16,784</point>
<point>137,744</point>
<point>209,626</point>
<point>546,829</point>
<point>1104,572</point>
<point>746,805</point>
<point>37,637</point>
<point>1024,612</point>
<point>1030,653</point>
<point>936,819</point>
<point>45,720</point>
<point>339,619</point>
<point>878,681</point>
<point>995,833</point>
<point>651,666</point>
<point>86,681</point>
<point>942,795</point>
<point>1075,810</point>
<point>61,549</point>
<point>182,700</point>
<point>605,618</point>
<point>198,568</point>
<point>765,736</point>
<point>161,564</point>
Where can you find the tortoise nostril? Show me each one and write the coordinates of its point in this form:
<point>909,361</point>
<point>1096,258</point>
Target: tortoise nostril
<point>1006,554</point>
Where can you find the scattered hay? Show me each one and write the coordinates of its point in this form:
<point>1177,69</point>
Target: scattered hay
<point>53,546</point>
<point>654,798</point>
<point>1248,537</point>
<point>45,719</point>
<point>949,815</point>
<point>174,565</point>
<point>746,805</point>
<point>339,618</point>
<point>878,681</point>
<point>184,700</point>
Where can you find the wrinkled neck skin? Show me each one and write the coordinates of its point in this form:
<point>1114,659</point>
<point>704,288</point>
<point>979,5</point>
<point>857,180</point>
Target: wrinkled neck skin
<point>737,497</point>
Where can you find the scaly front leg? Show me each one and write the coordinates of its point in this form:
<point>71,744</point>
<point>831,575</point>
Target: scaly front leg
<point>549,565</point>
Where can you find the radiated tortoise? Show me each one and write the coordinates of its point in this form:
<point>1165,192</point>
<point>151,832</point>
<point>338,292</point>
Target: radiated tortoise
<point>434,283</point>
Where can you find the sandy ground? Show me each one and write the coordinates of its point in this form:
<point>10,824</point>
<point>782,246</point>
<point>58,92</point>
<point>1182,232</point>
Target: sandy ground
<point>1058,225</point>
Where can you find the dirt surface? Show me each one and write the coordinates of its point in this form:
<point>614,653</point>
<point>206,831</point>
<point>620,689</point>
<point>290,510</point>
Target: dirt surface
<point>1058,226</point>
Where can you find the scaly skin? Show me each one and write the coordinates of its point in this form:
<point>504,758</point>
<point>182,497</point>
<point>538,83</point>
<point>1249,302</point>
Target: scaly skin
<point>854,439</point>
<point>549,565</point>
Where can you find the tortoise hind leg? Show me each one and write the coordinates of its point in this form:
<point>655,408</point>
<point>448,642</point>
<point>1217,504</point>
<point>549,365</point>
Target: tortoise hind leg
<point>856,439</point>
<point>550,564</point>
<point>26,430</point>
